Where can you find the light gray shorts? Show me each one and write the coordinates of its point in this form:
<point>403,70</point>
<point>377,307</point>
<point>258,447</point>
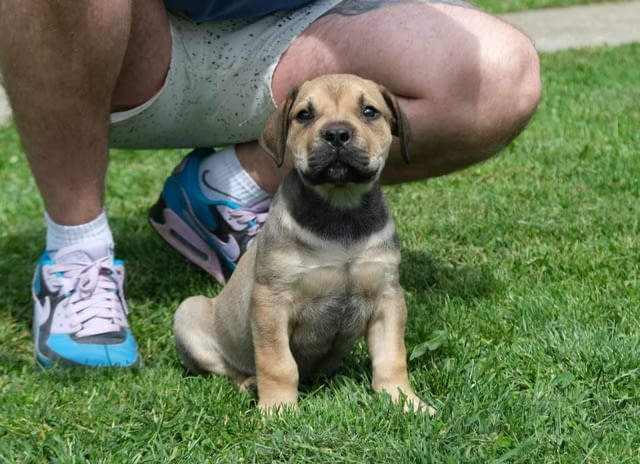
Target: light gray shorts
<point>218,88</point>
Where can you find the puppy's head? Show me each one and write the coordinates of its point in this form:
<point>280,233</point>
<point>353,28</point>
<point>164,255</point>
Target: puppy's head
<point>338,129</point>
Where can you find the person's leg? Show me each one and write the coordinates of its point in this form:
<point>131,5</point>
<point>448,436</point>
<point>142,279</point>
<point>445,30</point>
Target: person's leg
<point>61,61</point>
<point>62,66</point>
<point>467,81</point>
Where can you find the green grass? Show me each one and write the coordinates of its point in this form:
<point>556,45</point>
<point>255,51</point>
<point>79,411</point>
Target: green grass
<point>522,281</point>
<point>507,6</point>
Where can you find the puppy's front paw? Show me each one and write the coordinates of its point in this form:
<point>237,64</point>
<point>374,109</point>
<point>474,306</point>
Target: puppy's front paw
<point>411,403</point>
<point>270,408</point>
<point>277,399</point>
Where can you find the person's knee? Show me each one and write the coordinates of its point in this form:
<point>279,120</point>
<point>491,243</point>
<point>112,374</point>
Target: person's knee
<point>503,89</point>
<point>492,99</point>
<point>522,64</point>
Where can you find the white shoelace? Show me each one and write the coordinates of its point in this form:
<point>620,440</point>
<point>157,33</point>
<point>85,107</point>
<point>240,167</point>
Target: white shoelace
<point>93,296</point>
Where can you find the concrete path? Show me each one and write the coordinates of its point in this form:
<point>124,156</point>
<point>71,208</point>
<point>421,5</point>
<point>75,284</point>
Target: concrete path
<point>580,26</point>
<point>5,110</point>
<point>551,29</point>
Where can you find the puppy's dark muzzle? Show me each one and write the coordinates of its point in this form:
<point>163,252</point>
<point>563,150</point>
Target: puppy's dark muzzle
<point>340,166</point>
<point>336,160</point>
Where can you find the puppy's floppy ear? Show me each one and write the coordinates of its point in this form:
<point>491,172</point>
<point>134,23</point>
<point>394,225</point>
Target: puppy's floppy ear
<point>274,135</point>
<point>399,125</point>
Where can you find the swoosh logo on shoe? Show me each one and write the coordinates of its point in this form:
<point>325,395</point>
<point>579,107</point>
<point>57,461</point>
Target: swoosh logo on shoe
<point>210,186</point>
<point>42,311</point>
<point>230,248</point>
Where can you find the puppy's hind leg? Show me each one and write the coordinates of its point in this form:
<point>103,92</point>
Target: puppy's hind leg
<point>194,334</point>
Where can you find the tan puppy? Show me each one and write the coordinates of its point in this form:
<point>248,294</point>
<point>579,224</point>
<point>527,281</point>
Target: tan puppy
<point>324,269</point>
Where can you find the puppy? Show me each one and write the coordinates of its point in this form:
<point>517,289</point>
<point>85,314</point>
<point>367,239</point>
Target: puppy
<point>323,271</point>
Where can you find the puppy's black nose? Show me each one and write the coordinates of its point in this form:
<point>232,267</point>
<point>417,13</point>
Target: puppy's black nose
<point>337,136</point>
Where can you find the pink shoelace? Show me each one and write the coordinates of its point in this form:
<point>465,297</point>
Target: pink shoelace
<point>256,213</point>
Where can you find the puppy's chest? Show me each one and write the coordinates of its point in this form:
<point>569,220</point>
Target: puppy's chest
<point>335,294</point>
<point>341,287</point>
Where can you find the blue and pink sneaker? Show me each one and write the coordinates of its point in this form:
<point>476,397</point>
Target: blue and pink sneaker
<point>80,314</point>
<point>211,234</point>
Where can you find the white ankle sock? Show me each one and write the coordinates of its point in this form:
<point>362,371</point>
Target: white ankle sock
<point>59,236</point>
<point>222,177</point>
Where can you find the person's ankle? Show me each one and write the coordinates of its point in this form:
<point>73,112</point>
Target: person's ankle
<point>62,236</point>
<point>261,166</point>
<point>222,177</point>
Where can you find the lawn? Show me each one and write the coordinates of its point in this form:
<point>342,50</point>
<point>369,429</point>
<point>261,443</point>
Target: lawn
<point>522,281</point>
<point>506,6</point>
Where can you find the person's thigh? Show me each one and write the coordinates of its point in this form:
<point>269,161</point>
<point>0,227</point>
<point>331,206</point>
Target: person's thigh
<point>468,82</point>
<point>218,87</point>
<point>400,43</point>
<point>458,72</point>
<point>147,57</point>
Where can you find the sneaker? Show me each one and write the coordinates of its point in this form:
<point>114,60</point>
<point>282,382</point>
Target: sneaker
<point>211,234</point>
<point>80,315</point>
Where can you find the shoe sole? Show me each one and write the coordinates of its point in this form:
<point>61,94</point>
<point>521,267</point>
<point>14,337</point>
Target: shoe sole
<point>180,236</point>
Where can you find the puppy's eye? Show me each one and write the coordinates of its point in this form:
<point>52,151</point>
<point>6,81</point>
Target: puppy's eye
<point>369,112</point>
<point>304,116</point>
